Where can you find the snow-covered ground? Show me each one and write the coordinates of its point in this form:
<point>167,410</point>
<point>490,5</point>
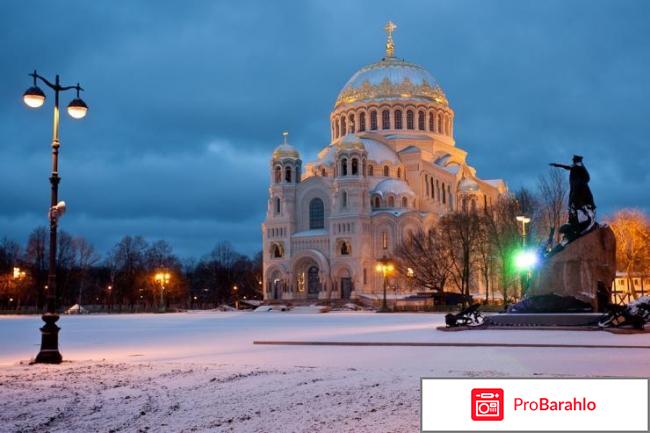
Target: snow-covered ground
<point>200,371</point>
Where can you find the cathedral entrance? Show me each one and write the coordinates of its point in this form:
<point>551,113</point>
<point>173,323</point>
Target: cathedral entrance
<point>346,287</point>
<point>313,282</point>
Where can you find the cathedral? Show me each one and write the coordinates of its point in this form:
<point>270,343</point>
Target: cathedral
<point>392,166</point>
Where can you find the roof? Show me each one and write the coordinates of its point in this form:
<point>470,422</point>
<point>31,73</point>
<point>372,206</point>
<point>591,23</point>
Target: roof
<point>392,186</point>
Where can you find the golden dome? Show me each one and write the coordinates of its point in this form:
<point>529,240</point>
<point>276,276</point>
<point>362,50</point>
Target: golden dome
<point>285,150</point>
<point>390,79</point>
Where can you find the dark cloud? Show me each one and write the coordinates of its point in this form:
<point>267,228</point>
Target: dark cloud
<point>188,100</point>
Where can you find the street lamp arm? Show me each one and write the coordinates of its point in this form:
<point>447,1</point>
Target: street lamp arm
<point>54,86</point>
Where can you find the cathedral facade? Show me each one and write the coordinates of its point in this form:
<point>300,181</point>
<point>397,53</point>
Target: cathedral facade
<point>392,166</point>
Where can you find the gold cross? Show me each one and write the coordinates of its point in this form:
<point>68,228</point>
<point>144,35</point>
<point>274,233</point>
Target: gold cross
<point>390,45</point>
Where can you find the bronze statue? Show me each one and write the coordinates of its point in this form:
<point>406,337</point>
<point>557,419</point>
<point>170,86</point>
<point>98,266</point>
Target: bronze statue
<point>582,209</point>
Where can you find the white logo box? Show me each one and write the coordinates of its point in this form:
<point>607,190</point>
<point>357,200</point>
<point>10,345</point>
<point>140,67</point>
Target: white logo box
<point>621,404</point>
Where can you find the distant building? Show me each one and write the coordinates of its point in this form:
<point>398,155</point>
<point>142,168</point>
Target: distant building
<point>626,288</point>
<point>392,166</point>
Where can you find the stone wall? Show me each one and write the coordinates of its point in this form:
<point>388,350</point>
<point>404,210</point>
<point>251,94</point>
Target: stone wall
<point>576,270</point>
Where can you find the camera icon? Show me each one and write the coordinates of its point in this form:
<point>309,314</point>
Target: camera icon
<point>487,404</point>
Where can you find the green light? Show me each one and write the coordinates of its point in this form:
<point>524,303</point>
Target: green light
<point>525,260</point>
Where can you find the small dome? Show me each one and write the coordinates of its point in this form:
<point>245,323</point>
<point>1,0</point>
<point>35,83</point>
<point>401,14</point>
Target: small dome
<point>468,186</point>
<point>377,151</point>
<point>392,186</point>
<point>285,150</point>
<point>351,142</point>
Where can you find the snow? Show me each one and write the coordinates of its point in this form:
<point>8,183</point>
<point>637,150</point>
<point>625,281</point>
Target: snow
<point>392,186</point>
<point>199,371</point>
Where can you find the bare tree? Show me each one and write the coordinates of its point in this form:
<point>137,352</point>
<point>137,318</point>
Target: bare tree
<point>632,230</point>
<point>461,233</point>
<point>427,256</point>
<point>501,226</point>
<point>86,257</point>
<point>552,196</point>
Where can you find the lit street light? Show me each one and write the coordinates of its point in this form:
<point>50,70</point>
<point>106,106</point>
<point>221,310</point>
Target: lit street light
<point>235,291</point>
<point>523,220</point>
<point>34,97</point>
<point>163,279</point>
<point>385,267</point>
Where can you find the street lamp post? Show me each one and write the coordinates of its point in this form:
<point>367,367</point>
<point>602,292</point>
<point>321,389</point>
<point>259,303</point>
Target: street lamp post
<point>34,98</point>
<point>385,267</point>
<point>526,256</point>
<point>523,220</point>
<point>235,291</point>
<point>163,279</point>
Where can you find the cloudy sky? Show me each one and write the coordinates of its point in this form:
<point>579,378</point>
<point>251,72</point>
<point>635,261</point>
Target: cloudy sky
<point>188,99</point>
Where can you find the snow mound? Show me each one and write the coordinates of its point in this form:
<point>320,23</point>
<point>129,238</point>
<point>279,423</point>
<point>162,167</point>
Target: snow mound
<point>76,309</point>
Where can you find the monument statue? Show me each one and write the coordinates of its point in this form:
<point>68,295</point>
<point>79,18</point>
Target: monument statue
<point>585,258</point>
<point>582,209</point>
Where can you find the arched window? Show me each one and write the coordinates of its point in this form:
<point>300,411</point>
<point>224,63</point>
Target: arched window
<point>376,202</point>
<point>276,251</point>
<point>409,120</point>
<point>451,199</point>
<point>391,202</point>
<point>432,190</point>
<point>398,119</point>
<point>323,172</point>
<point>444,195</point>
<point>386,171</point>
<point>362,122</point>
<point>316,214</point>
<point>344,167</point>
<point>287,174</point>
<point>405,202</point>
<point>278,206</point>
<point>351,123</point>
<point>345,249</point>
<point>278,174</point>
<point>355,167</point>
<point>384,240</point>
<point>432,126</point>
<point>373,120</point>
<point>421,120</point>
<point>344,199</point>
<point>385,119</point>
<point>439,129</point>
<point>399,173</point>
<point>371,170</point>
<point>343,129</point>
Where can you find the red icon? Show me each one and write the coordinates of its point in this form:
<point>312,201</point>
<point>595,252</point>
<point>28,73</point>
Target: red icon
<point>487,404</point>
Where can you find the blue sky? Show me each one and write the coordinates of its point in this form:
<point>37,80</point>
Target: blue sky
<point>188,99</point>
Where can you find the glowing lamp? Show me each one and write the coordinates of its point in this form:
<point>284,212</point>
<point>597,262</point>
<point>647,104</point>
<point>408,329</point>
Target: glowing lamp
<point>34,97</point>
<point>77,108</point>
<point>526,259</point>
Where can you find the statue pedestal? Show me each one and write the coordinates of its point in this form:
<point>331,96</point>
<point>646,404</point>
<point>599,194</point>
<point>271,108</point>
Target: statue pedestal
<point>577,269</point>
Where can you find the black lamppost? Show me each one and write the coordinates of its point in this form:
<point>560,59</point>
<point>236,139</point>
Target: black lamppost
<point>34,98</point>
<point>385,267</point>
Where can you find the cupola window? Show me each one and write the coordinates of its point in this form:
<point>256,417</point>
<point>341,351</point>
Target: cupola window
<point>409,120</point>
<point>398,119</point>
<point>287,174</point>
<point>355,167</point>
<point>421,120</point>
<point>385,119</point>
<point>373,120</point>
<point>362,122</point>
<point>278,174</point>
